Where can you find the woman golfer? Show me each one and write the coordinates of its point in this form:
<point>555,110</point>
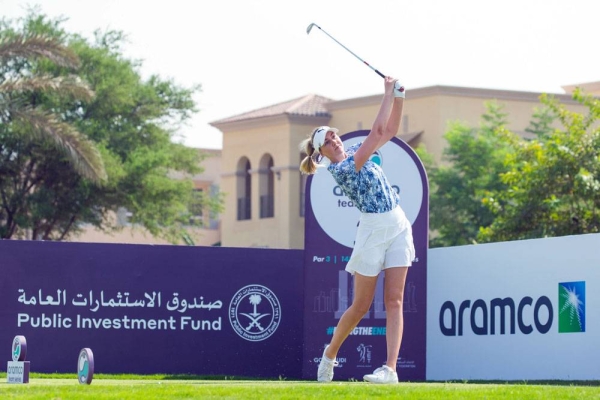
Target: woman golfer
<point>384,238</point>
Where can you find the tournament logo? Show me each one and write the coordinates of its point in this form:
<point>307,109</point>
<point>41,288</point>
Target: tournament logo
<point>19,348</point>
<point>571,306</point>
<point>16,349</point>
<point>254,313</point>
<point>85,366</point>
<point>364,355</point>
<point>377,158</point>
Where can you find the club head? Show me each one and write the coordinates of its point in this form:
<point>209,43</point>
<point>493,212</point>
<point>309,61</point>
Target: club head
<point>310,27</point>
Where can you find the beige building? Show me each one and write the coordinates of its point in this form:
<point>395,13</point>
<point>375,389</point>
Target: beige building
<point>257,170</point>
<point>264,203</point>
<point>207,181</point>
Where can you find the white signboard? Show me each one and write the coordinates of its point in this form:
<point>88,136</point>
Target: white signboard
<point>337,215</point>
<point>17,372</point>
<point>521,310</point>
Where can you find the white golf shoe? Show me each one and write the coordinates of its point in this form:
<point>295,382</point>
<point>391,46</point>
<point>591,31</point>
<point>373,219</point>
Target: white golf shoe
<point>325,371</point>
<point>382,375</point>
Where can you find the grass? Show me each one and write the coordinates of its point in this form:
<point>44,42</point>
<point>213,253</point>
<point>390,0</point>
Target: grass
<point>65,386</point>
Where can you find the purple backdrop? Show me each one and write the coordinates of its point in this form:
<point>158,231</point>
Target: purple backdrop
<point>154,309</point>
<point>215,311</point>
<point>328,288</point>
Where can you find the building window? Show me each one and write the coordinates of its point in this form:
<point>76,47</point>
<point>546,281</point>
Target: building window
<point>267,187</point>
<point>213,216</point>
<point>124,217</point>
<point>196,208</point>
<point>244,190</point>
<point>201,212</point>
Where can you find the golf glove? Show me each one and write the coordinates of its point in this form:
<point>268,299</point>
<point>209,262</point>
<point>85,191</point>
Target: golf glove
<point>399,90</point>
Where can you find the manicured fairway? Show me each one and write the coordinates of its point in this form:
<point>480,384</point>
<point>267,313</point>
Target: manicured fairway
<point>129,387</point>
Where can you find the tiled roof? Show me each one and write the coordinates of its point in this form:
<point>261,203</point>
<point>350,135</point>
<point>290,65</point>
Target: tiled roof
<point>310,105</point>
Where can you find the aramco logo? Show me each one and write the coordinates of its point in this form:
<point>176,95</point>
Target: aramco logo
<point>571,306</point>
<point>507,315</point>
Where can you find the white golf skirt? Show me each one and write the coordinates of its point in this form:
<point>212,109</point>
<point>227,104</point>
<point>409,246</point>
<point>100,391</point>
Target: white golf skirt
<point>382,241</point>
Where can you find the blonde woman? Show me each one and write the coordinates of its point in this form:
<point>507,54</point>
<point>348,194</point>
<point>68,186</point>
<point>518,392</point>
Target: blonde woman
<point>384,238</point>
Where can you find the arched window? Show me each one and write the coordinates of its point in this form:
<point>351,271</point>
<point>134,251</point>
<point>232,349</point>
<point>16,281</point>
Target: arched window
<point>244,190</point>
<point>266,184</point>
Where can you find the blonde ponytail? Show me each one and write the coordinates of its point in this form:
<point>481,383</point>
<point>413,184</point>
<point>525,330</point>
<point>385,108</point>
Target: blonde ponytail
<point>308,165</point>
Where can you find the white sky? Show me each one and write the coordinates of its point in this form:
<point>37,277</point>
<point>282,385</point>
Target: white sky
<point>248,54</point>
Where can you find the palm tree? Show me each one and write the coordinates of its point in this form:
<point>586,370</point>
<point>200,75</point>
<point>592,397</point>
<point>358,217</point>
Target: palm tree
<point>255,300</point>
<point>33,123</point>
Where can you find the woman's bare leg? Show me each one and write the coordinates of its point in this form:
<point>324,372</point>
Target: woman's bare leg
<point>395,278</point>
<point>364,291</point>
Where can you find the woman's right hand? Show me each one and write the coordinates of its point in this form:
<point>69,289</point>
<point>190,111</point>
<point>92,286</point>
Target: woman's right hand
<point>389,83</point>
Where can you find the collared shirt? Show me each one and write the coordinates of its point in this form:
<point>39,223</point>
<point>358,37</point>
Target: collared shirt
<point>368,188</point>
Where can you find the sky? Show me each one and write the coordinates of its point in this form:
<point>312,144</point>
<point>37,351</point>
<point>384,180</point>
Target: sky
<point>249,54</point>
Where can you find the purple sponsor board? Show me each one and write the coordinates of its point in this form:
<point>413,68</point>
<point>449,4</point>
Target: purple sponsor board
<point>154,309</point>
<point>331,221</point>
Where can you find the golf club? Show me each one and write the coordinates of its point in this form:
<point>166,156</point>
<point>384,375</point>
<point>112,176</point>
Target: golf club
<point>398,85</point>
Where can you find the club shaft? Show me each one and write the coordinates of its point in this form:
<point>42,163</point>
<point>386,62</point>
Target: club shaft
<point>351,52</point>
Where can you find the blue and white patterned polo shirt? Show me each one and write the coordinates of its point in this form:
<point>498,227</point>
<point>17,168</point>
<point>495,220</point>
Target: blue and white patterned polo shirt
<point>368,188</point>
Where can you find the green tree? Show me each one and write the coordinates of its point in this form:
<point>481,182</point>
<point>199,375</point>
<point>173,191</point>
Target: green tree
<point>474,161</point>
<point>18,84</point>
<point>541,123</point>
<point>553,182</point>
<point>133,122</point>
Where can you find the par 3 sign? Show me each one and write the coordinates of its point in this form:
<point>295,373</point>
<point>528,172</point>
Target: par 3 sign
<point>337,215</point>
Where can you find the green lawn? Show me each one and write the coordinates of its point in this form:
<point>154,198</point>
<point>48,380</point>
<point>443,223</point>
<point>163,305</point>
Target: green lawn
<point>65,386</point>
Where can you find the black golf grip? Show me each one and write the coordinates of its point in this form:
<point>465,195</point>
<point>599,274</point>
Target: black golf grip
<point>369,65</point>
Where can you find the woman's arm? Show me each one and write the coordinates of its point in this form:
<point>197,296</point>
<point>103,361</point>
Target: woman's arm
<point>393,122</point>
<point>385,126</point>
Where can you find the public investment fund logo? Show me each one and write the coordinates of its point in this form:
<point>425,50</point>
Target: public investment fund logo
<point>254,313</point>
<point>571,306</point>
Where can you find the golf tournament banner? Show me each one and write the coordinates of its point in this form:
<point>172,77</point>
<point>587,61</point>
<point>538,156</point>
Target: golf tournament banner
<point>520,310</point>
<point>154,309</point>
<point>331,224</point>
